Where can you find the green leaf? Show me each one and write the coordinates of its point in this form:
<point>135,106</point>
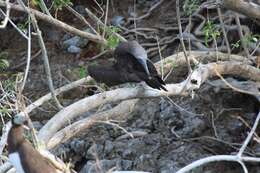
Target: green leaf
<point>112,39</point>
<point>210,31</point>
<point>190,6</point>
<point>82,72</point>
<point>59,4</point>
<point>4,64</point>
<point>236,45</point>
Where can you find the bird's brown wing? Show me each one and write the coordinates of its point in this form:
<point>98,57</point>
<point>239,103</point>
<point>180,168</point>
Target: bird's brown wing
<point>112,75</point>
<point>132,51</point>
<point>32,161</point>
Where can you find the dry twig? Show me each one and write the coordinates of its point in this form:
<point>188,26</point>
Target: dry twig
<point>7,15</point>
<point>181,35</point>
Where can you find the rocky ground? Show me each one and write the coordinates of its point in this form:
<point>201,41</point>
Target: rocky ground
<point>171,132</point>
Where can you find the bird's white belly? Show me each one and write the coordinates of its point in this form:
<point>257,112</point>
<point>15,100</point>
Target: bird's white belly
<point>14,158</point>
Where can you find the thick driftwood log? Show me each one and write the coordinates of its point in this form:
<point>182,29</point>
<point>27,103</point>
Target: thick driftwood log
<point>120,112</point>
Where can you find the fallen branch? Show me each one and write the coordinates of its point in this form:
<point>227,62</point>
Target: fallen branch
<point>216,158</point>
<point>247,8</point>
<point>198,77</point>
<point>58,91</point>
<point>120,112</point>
<point>5,167</point>
<point>240,86</point>
<point>5,130</point>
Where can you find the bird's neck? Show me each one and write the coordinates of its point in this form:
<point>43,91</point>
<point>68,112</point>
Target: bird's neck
<point>15,137</point>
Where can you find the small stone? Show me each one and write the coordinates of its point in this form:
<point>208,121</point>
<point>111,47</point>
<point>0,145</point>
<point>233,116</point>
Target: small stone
<point>117,20</point>
<point>75,41</point>
<point>127,153</point>
<point>71,42</point>
<point>108,147</point>
<point>89,167</point>
<point>81,10</point>
<point>124,164</point>
<point>95,150</point>
<point>37,125</point>
<point>104,165</point>
<point>74,49</point>
<point>78,146</point>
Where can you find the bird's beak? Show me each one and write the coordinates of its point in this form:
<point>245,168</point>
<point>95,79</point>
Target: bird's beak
<point>144,64</point>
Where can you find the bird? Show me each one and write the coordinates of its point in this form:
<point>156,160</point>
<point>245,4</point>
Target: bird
<point>22,155</point>
<point>131,65</point>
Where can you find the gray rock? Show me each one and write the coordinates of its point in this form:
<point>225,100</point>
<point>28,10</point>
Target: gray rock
<point>71,42</point>
<point>108,147</point>
<point>78,146</point>
<point>166,109</point>
<point>95,150</point>
<point>37,125</point>
<point>89,167</point>
<point>81,10</point>
<point>106,165</point>
<point>193,126</point>
<point>62,150</point>
<point>124,164</point>
<point>75,41</point>
<point>145,162</point>
<point>167,166</point>
<point>74,49</point>
<point>128,153</point>
<point>117,20</point>
<point>53,34</point>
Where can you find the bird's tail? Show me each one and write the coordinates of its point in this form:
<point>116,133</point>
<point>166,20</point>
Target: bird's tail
<point>156,82</point>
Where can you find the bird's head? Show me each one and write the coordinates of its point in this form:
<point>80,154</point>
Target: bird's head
<point>20,120</point>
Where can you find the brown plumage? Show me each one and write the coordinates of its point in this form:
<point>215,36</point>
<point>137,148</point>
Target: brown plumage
<point>30,159</point>
<point>131,65</point>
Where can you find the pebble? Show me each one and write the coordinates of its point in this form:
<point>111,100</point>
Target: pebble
<point>117,20</point>
<point>74,49</point>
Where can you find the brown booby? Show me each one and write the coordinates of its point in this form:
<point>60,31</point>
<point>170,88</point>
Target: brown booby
<point>22,155</point>
<point>131,65</point>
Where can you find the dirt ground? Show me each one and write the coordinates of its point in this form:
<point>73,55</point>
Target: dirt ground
<point>213,122</point>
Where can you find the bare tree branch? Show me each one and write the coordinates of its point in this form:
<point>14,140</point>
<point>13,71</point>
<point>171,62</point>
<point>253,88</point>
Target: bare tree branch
<point>223,30</point>
<point>216,158</point>
<point>58,23</point>
<point>181,35</point>
<point>247,8</point>
<point>44,53</point>
<point>7,16</point>
<point>241,35</point>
